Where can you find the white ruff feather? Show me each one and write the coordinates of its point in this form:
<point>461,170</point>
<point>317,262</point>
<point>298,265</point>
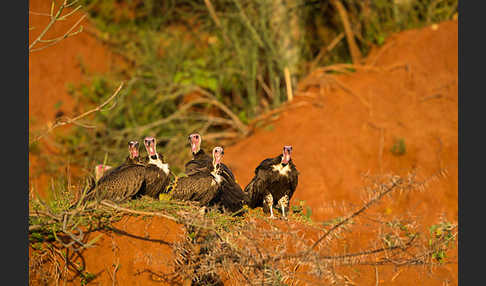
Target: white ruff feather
<point>158,163</point>
<point>284,171</point>
<point>216,176</point>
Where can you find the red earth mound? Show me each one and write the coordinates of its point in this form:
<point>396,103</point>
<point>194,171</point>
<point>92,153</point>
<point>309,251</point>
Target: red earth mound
<point>348,127</point>
<point>341,138</point>
<point>352,125</point>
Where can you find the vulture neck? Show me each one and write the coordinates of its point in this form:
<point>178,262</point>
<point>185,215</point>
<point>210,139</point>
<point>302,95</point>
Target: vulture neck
<point>214,173</point>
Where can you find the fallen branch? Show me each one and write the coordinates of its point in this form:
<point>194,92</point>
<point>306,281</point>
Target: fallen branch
<point>125,210</point>
<point>243,128</point>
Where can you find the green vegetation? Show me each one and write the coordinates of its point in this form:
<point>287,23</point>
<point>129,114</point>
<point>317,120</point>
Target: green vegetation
<point>442,238</point>
<point>399,148</point>
<point>182,57</point>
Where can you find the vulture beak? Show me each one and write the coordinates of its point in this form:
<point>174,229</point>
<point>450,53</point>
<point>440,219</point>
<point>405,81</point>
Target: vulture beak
<point>286,154</point>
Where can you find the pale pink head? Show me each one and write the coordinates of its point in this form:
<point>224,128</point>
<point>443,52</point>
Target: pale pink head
<point>286,154</point>
<point>150,143</point>
<point>133,149</point>
<point>195,141</point>
<point>218,153</point>
<point>100,170</point>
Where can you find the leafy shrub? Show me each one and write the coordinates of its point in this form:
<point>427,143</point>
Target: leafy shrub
<point>178,51</point>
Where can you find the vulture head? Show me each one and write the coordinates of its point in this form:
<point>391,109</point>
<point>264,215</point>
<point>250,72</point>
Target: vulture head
<point>286,154</point>
<point>150,143</point>
<point>195,141</point>
<point>133,149</point>
<point>100,169</point>
<point>218,153</point>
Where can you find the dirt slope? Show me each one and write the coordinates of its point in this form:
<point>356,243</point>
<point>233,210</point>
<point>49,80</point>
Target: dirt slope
<point>334,143</point>
<point>355,124</point>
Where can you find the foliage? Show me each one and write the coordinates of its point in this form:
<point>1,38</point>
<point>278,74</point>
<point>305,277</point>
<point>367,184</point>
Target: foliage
<point>442,237</point>
<point>233,51</point>
<point>399,148</point>
<point>230,50</point>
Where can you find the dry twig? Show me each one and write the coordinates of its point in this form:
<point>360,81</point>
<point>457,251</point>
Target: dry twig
<point>54,19</point>
<point>77,118</point>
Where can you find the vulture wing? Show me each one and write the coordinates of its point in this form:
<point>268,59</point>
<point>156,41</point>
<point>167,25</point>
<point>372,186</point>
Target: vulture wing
<point>199,187</point>
<point>230,196</point>
<point>119,185</point>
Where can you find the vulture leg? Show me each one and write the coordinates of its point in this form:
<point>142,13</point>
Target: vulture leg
<point>269,201</point>
<point>283,202</point>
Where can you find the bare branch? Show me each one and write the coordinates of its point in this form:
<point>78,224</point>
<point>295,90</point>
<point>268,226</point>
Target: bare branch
<point>54,19</point>
<point>182,110</point>
<point>75,119</point>
<point>113,206</point>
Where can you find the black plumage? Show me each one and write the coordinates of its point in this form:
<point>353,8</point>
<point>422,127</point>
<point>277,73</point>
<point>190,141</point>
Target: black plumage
<point>200,162</point>
<point>203,181</point>
<point>230,197</point>
<point>119,185</point>
<point>274,183</point>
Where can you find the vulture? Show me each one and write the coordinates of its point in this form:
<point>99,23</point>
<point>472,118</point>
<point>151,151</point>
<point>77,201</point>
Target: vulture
<point>157,172</point>
<point>133,156</point>
<point>133,178</point>
<point>119,185</point>
<point>203,182</point>
<point>200,158</point>
<point>274,183</point>
<point>231,197</point>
